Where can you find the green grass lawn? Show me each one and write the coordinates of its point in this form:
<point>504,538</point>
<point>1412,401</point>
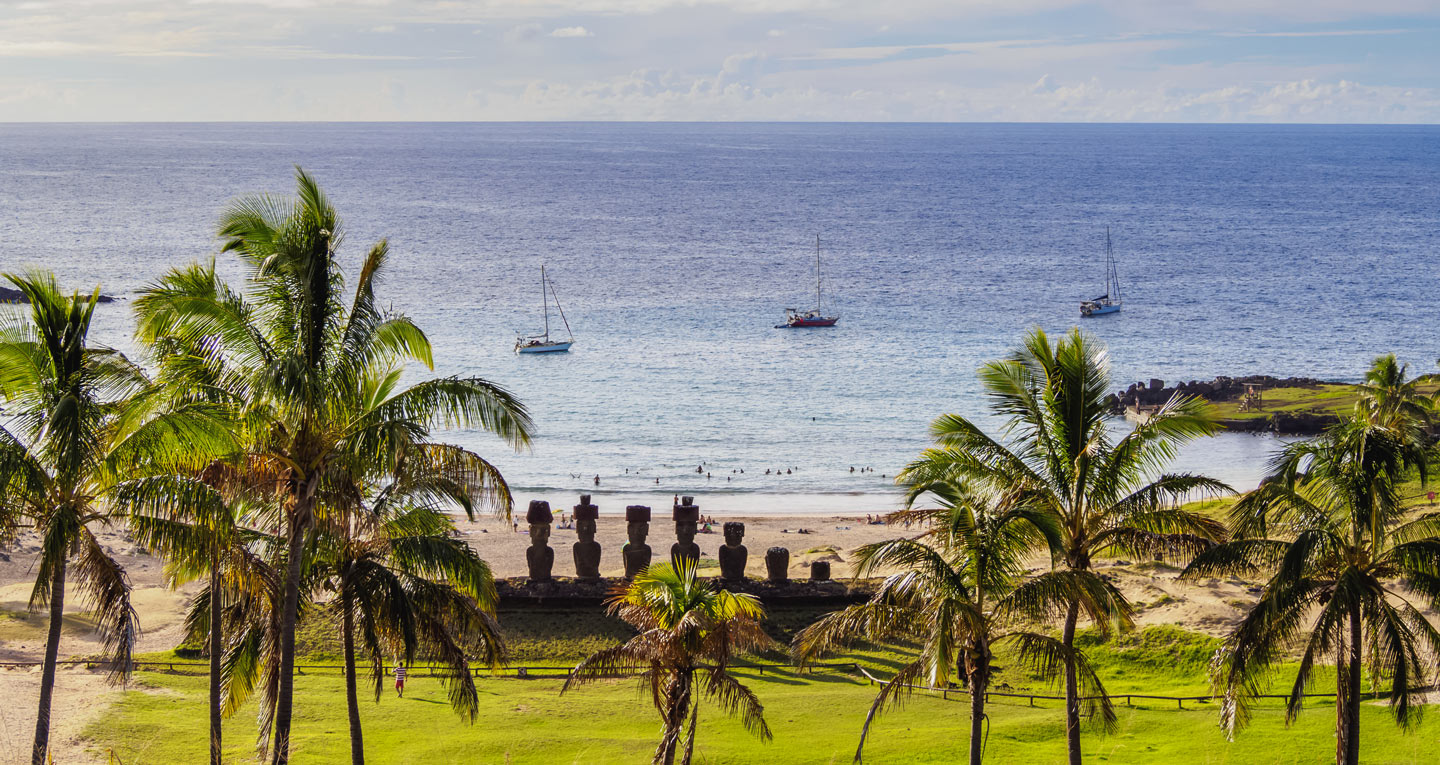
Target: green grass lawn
<point>1328,398</point>
<point>815,718</point>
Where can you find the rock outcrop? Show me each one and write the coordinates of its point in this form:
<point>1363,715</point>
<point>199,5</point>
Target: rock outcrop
<point>12,295</point>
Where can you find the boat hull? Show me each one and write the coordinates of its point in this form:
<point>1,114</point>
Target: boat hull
<point>543,348</point>
<point>808,323</point>
<point>1099,310</point>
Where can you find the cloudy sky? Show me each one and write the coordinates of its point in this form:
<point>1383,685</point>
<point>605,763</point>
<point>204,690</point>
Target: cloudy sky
<point>898,60</point>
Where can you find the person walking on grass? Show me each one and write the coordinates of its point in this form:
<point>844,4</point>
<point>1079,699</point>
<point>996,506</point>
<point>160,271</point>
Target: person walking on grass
<point>400,679</point>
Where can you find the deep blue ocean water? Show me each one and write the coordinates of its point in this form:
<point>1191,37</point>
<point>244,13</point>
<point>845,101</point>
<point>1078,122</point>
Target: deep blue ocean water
<point>675,247</point>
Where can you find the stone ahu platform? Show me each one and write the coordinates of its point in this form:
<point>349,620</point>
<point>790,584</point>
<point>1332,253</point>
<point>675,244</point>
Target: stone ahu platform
<point>519,593</point>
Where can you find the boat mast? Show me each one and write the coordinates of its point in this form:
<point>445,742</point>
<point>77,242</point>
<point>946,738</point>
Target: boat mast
<point>544,302</point>
<point>1109,264</point>
<point>1112,275</point>
<point>817,273</point>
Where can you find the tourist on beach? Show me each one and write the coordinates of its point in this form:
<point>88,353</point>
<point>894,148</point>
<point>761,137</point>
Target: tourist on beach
<point>597,479</point>
<point>400,679</point>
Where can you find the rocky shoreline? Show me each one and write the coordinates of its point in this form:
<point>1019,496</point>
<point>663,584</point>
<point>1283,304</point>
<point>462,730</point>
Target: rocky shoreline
<point>12,295</point>
<point>1140,396</point>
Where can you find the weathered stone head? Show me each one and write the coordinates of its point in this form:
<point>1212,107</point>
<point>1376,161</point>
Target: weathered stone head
<point>586,516</point>
<point>586,550</point>
<point>539,512</point>
<point>539,517</point>
<point>777,564</point>
<point>820,571</point>
<point>732,554</point>
<point>637,523</point>
<point>636,553</point>
<point>539,556</point>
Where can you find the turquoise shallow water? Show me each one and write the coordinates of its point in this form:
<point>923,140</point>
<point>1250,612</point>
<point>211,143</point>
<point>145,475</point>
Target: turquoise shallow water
<point>674,248</point>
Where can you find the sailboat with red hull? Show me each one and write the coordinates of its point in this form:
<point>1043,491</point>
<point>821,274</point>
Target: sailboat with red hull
<point>797,319</point>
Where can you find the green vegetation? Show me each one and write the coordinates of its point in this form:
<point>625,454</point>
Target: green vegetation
<point>689,635</point>
<point>1329,398</point>
<point>1104,496</point>
<point>956,589</point>
<point>1336,399</point>
<point>815,719</point>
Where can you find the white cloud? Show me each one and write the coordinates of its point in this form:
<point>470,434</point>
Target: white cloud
<point>572,32</point>
<point>678,59</point>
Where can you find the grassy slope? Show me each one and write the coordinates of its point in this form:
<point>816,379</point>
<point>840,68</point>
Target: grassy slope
<point>1330,398</point>
<point>816,719</point>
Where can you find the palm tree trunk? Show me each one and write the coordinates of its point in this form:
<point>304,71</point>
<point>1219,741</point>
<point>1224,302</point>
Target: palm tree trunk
<point>215,634</point>
<point>1347,698</point>
<point>352,702</point>
<point>690,736</point>
<point>52,655</point>
<point>677,703</point>
<point>1072,687</point>
<point>979,682</point>
<point>288,613</point>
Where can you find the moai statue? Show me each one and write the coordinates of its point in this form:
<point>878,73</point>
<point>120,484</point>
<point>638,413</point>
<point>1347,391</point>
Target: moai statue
<point>733,555</point>
<point>539,556</point>
<point>636,553</point>
<point>820,571</point>
<point>777,565</point>
<point>587,550</point>
<point>685,515</point>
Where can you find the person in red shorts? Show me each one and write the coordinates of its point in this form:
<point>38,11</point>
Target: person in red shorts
<point>400,679</point>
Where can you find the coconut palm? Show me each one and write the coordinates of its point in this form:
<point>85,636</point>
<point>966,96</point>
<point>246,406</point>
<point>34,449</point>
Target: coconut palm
<point>1390,398</point>
<point>1109,495</point>
<point>401,582</point>
<point>77,418</point>
<point>204,526</point>
<point>689,635</point>
<point>1344,560</point>
<point>307,370</point>
<point>958,590</point>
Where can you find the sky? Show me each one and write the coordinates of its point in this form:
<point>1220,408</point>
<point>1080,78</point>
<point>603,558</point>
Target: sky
<point>1345,61</point>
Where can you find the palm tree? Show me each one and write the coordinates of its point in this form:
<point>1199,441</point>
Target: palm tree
<point>77,418</point>
<point>1109,495</point>
<point>955,591</point>
<point>1328,525</point>
<point>1390,398</point>
<point>689,634</point>
<point>204,526</point>
<point>305,369</point>
<point>402,581</point>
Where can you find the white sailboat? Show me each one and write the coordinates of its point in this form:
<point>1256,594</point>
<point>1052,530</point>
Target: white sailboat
<point>543,343</point>
<point>1110,301</point>
<point>797,319</point>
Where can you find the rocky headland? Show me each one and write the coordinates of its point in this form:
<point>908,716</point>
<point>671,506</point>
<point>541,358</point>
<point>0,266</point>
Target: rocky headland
<point>1141,398</point>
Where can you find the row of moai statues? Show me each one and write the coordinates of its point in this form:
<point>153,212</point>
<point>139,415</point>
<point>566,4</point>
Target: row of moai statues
<point>637,555</point>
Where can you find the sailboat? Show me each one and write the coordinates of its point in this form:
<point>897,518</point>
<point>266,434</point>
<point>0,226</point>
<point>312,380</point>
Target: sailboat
<point>543,343</point>
<point>796,319</point>
<point>1110,301</point>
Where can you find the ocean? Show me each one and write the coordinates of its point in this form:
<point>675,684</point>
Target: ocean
<point>674,248</point>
